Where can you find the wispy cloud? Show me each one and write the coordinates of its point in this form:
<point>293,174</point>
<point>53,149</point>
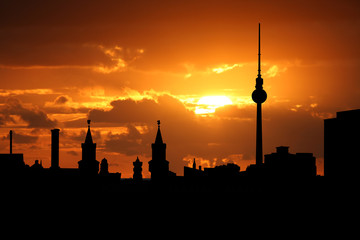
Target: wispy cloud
<point>120,58</point>
<point>225,68</point>
<point>14,92</point>
<point>273,71</point>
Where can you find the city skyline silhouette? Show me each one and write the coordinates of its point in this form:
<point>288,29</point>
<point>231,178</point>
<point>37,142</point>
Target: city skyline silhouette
<point>192,66</point>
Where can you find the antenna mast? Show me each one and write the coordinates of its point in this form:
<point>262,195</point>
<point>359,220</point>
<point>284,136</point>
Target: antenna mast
<point>259,64</point>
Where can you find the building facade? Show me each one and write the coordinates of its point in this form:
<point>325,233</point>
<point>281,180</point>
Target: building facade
<point>341,144</point>
<point>284,164</point>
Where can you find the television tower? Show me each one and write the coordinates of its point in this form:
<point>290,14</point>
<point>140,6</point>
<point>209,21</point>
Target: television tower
<point>259,96</point>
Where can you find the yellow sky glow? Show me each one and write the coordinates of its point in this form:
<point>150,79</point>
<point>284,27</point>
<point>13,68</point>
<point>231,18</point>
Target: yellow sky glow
<point>208,104</point>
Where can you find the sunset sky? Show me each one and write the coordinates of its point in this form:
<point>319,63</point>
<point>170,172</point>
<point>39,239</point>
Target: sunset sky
<point>190,64</point>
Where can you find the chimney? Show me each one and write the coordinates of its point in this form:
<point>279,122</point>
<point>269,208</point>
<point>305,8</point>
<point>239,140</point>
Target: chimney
<point>10,141</point>
<point>55,148</point>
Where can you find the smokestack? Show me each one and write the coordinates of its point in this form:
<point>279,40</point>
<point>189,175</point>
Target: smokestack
<point>10,141</point>
<point>55,148</point>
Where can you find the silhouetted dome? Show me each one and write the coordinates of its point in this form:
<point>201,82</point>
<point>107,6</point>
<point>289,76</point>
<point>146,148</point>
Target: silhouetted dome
<point>259,96</point>
<point>37,165</point>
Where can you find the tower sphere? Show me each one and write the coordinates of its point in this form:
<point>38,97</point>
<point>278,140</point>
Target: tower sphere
<point>259,96</point>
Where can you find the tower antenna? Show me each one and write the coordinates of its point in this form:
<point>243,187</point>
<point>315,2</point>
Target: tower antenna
<point>259,54</point>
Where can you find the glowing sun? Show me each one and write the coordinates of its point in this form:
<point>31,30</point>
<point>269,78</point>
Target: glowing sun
<point>208,104</point>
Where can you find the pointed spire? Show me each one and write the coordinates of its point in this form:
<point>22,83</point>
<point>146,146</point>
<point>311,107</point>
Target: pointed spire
<point>194,164</point>
<point>158,139</point>
<point>259,62</point>
<point>88,138</point>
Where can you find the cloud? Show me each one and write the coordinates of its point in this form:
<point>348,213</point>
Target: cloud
<point>64,104</point>
<point>21,138</point>
<point>130,143</point>
<point>61,100</point>
<point>274,71</point>
<point>78,136</point>
<point>16,92</point>
<point>119,58</point>
<point>31,115</point>
<point>164,107</point>
<point>72,153</point>
<point>225,67</point>
<point>183,131</point>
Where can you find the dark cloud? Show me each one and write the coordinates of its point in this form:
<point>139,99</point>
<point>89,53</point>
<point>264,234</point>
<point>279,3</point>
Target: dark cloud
<point>21,138</point>
<point>40,34</point>
<point>166,108</point>
<point>217,139</point>
<point>79,137</point>
<point>132,143</point>
<point>61,99</point>
<point>65,105</point>
<point>33,116</point>
<point>73,153</point>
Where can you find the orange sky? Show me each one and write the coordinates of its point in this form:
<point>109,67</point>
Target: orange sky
<point>126,64</point>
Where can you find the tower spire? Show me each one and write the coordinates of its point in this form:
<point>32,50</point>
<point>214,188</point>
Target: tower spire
<point>158,138</point>
<point>88,138</point>
<point>259,96</point>
<point>259,54</point>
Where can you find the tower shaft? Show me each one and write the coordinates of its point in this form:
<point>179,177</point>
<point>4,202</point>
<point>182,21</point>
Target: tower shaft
<point>55,148</point>
<point>259,145</point>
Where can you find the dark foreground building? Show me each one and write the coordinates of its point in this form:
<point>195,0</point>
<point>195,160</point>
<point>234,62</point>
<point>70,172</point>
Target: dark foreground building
<point>17,176</point>
<point>285,164</point>
<point>342,144</point>
<point>12,163</point>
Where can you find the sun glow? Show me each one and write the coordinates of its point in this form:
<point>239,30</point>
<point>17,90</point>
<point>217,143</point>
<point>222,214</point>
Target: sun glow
<point>208,104</point>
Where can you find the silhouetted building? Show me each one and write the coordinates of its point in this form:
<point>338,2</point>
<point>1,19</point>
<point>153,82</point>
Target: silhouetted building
<point>193,172</point>
<point>229,170</point>
<point>13,162</point>
<point>55,149</point>
<point>104,167</point>
<point>221,172</point>
<point>284,164</point>
<point>37,165</point>
<point>159,166</point>
<point>137,176</point>
<point>89,165</point>
<point>341,145</point>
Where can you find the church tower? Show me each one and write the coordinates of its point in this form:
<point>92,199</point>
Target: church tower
<point>158,166</point>
<point>137,176</point>
<point>89,165</point>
